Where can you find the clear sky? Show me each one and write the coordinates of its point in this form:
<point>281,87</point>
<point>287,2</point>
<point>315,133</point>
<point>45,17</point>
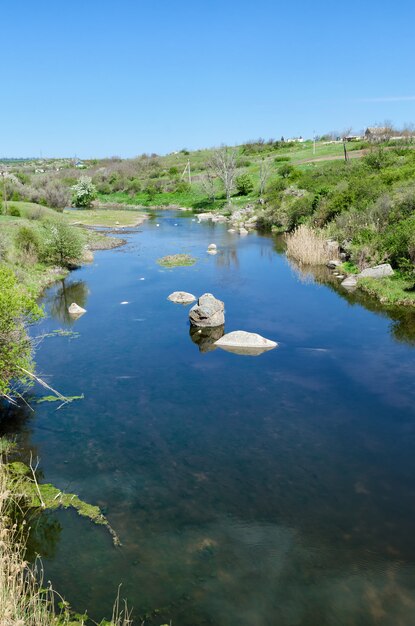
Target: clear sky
<point>91,78</point>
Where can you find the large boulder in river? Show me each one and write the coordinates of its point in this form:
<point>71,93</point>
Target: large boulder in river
<point>379,271</point>
<point>208,312</point>
<point>181,297</point>
<point>75,310</point>
<point>241,342</point>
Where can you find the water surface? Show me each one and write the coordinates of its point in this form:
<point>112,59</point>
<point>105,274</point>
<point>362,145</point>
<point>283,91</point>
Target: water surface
<point>269,490</point>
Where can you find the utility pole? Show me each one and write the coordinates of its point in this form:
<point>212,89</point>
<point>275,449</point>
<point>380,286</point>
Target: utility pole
<point>187,169</point>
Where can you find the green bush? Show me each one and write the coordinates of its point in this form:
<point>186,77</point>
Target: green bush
<point>286,170</point>
<point>62,244</point>
<point>281,159</point>
<point>173,171</point>
<point>27,241</point>
<point>244,185</point>
<point>17,309</point>
<point>14,210</point>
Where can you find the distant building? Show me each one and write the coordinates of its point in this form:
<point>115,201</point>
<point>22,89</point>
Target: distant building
<point>352,138</point>
<point>296,139</point>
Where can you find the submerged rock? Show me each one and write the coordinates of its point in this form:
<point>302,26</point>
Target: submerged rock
<point>242,342</point>
<point>181,297</point>
<point>379,271</point>
<point>75,310</point>
<point>208,312</point>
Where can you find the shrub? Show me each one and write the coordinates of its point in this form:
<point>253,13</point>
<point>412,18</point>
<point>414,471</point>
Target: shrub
<point>173,171</point>
<point>183,187</point>
<point>14,211</point>
<point>309,246</point>
<point>62,244</point>
<point>244,185</point>
<point>84,192</point>
<point>281,159</point>
<point>286,170</point>
<point>17,308</point>
<point>57,195</point>
<point>27,242</point>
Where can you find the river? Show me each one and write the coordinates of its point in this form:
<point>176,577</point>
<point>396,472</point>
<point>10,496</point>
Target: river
<point>259,491</point>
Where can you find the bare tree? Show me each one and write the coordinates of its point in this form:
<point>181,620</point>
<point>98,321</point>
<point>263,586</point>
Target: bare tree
<point>208,184</point>
<point>223,164</point>
<point>264,172</point>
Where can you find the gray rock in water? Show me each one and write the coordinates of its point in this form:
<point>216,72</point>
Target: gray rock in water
<point>333,263</point>
<point>349,282</point>
<point>208,312</point>
<point>181,297</point>
<point>379,271</point>
<point>75,310</point>
<point>241,342</point>
<point>243,231</point>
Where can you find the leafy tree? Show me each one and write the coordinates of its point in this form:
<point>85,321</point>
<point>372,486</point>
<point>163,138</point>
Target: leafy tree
<point>62,244</point>
<point>244,185</point>
<point>84,192</point>
<point>17,309</point>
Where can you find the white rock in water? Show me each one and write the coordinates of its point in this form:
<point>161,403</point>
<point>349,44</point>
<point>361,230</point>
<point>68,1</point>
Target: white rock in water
<point>76,311</point>
<point>243,231</point>
<point>350,281</point>
<point>231,230</point>
<point>212,246</point>
<point>379,271</point>
<point>124,302</point>
<point>181,297</point>
<point>212,251</point>
<point>242,342</point>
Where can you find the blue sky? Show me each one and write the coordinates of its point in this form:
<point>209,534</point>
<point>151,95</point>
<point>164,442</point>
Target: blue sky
<point>121,78</point>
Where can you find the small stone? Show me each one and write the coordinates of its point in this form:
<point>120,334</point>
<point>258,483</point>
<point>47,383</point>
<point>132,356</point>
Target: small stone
<point>349,282</point>
<point>212,246</point>
<point>75,310</point>
<point>181,297</point>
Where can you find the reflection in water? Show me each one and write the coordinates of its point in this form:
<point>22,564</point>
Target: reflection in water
<point>62,298</point>
<point>205,337</point>
<point>403,318</point>
<point>228,258</point>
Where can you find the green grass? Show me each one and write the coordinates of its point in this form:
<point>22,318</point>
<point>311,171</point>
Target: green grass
<point>176,260</point>
<point>104,217</point>
<point>392,290</point>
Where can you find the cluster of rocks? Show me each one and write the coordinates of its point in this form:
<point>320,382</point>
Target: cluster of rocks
<point>207,320</point>
<point>351,281</point>
<point>241,221</point>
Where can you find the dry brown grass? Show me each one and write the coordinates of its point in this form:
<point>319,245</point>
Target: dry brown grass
<point>310,247</point>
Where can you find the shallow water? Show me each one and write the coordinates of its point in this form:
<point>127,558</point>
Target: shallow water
<point>276,489</point>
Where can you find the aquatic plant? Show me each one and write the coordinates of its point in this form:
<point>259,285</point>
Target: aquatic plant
<point>176,260</point>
